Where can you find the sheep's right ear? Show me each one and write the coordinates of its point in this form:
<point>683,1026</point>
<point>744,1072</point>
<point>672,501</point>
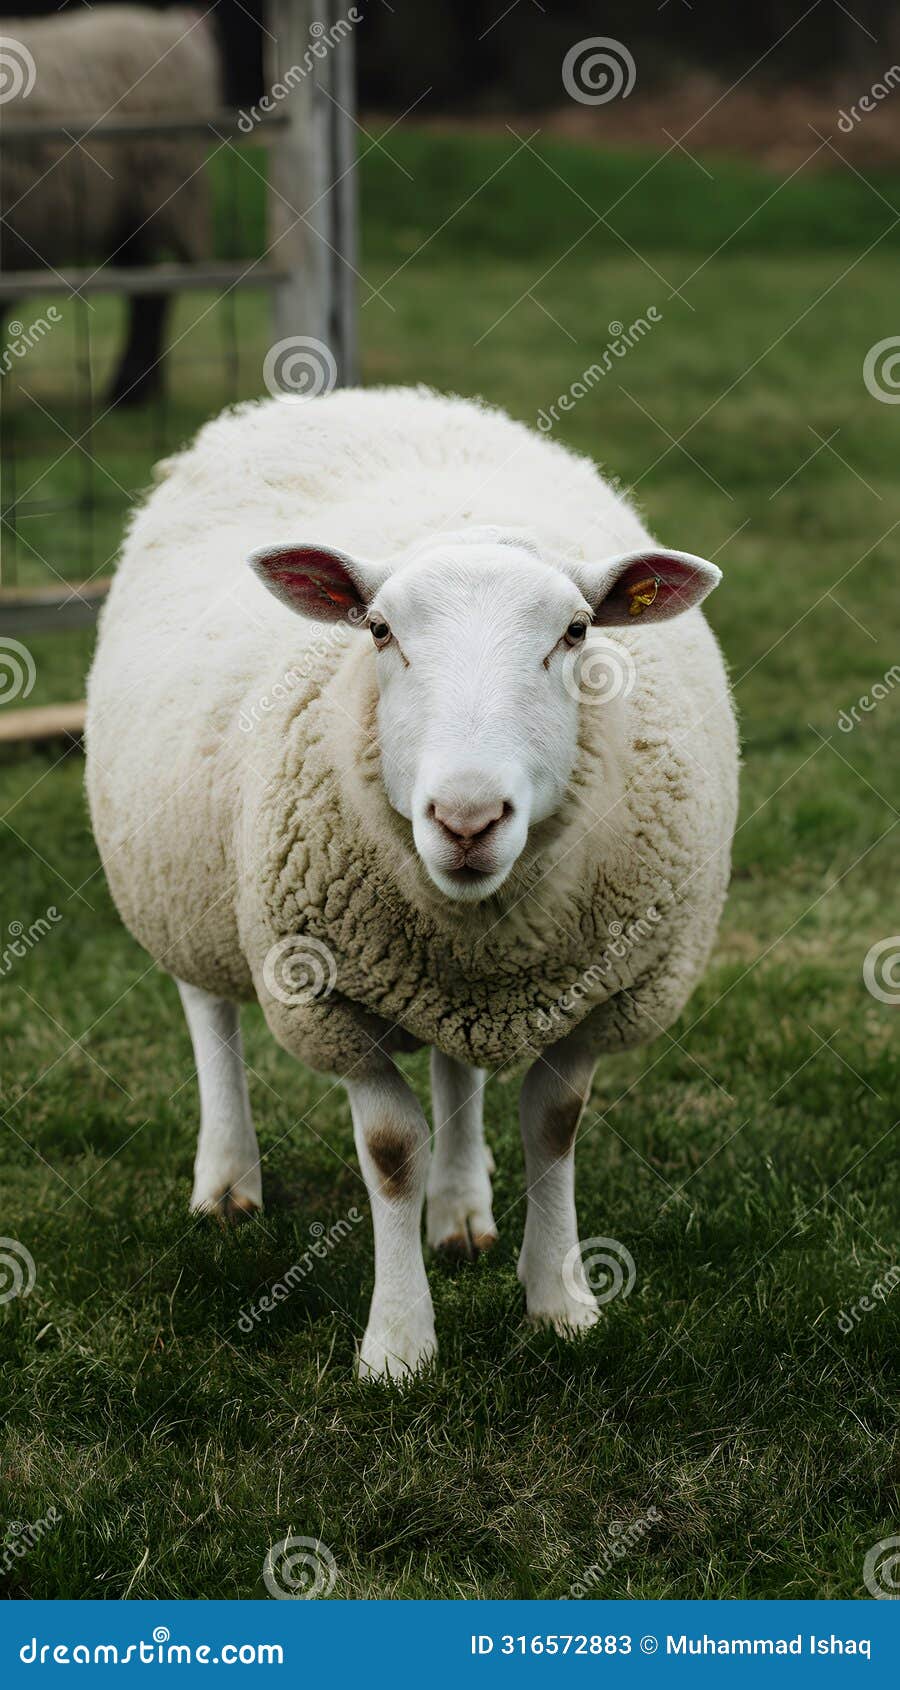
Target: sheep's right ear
<point>318,581</point>
<point>651,584</point>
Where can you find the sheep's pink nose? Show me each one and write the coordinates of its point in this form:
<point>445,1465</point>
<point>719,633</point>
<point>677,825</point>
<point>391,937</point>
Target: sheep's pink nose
<point>467,823</point>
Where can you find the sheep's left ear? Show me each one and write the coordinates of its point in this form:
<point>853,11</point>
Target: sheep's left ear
<point>647,586</point>
<point>319,581</point>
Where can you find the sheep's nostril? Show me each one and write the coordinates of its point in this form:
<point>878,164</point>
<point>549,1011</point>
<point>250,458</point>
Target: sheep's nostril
<point>468,826</point>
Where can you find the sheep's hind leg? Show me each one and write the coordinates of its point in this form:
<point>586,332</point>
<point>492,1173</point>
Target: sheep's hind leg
<point>553,1095</point>
<point>139,376</point>
<point>227,1179</point>
<point>392,1144</point>
<point>460,1220</point>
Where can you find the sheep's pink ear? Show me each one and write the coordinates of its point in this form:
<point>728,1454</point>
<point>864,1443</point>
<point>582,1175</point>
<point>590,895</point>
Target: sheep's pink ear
<point>318,581</point>
<point>649,586</point>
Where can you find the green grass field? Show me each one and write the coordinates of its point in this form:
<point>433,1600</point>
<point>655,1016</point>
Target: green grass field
<point>748,1161</point>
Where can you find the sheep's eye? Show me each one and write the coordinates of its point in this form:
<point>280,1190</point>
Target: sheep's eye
<point>575,632</point>
<point>381,633</point>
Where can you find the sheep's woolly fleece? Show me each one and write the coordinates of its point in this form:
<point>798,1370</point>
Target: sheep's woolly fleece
<point>233,765</point>
<point>131,61</point>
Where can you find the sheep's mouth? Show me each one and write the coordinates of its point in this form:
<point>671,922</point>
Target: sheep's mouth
<point>469,874</point>
<point>468,883</point>
<point>473,870</point>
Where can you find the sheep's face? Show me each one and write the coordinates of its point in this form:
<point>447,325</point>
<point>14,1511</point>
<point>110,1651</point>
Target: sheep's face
<point>478,731</point>
<point>478,645</point>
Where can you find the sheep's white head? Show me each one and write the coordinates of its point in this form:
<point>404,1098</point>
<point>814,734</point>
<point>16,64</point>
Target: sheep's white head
<point>476,636</point>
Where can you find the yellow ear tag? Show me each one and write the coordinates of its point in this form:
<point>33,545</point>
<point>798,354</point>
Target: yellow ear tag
<point>641,594</point>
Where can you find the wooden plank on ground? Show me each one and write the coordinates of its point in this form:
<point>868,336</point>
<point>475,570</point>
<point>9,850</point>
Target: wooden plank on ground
<point>45,721</point>
<point>43,610</point>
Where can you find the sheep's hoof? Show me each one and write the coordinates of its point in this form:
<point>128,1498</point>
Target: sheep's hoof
<point>460,1228</point>
<point>465,1246</point>
<point>569,1321</point>
<point>396,1351</point>
<point>234,1209</point>
<point>230,1210</point>
<point>231,1204</point>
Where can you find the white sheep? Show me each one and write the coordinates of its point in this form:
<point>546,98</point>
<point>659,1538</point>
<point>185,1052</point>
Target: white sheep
<point>118,199</point>
<point>454,817</point>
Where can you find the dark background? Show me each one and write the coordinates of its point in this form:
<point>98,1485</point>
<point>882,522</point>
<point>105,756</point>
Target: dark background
<point>476,59</point>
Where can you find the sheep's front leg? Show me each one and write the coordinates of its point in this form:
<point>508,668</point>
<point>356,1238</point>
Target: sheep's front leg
<point>459,1185</point>
<point>553,1095</point>
<point>227,1179</point>
<point>392,1144</point>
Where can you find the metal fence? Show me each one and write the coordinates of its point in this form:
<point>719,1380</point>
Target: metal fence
<point>306,265</point>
